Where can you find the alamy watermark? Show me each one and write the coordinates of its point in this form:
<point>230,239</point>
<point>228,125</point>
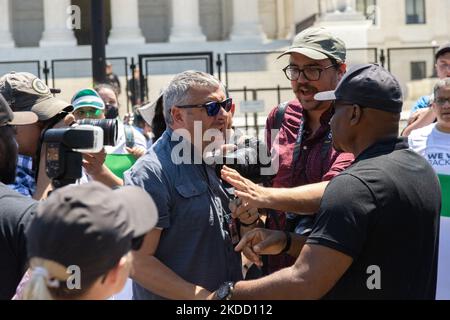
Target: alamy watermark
<point>74,280</point>
<point>73,21</point>
<point>212,147</point>
<point>374,280</point>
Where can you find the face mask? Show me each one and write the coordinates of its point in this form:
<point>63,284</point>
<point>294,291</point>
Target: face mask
<point>112,112</point>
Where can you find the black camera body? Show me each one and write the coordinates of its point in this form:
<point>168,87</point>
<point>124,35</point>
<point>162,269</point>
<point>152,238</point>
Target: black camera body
<point>249,159</point>
<point>64,147</point>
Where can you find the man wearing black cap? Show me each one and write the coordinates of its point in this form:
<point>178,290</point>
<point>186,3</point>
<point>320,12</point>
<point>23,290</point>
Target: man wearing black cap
<point>25,92</point>
<point>89,229</point>
<point>376,232</point>
<point>15,213</point>
<point>422,113</point>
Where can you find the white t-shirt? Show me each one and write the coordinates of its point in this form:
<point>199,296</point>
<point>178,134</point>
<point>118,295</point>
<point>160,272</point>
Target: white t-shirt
<point>433,145</point>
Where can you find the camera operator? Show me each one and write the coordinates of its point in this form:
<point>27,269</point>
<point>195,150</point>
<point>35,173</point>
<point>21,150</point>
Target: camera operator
<point>16,209</point>
<point>25,92</point>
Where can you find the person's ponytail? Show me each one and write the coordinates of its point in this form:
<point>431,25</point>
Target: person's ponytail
<point>38,286</point>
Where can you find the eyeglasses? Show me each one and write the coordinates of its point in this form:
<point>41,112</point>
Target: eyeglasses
<point>213,107</point>
<point>88,113</point>
<point>443,66</point>
<point>441,101</point>
<point>310,73</point>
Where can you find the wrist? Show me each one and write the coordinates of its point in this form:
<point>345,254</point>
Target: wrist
<point>225,291</point>
<point>251,224</point>
<point>288,242</point>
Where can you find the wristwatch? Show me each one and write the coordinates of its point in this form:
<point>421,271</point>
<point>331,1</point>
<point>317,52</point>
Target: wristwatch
<point>225,291</point>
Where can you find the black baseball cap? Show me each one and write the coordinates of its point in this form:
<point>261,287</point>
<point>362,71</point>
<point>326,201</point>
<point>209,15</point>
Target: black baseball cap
<point>25,92</point>
<point>368,85</point>
<point>90,226</point>
<point>443,49</point>
<point>8,117</point>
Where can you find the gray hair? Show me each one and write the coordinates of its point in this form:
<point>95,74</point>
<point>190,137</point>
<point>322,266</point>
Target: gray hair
<point>442,83</point>
<point>179,90</point>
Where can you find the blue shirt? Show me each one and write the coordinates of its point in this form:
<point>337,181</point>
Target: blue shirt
<point>193,208</point>
<point>25,183</point>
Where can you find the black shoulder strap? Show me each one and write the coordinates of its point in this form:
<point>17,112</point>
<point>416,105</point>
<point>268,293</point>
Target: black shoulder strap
<point>326,146</point>
<point>279,116</point>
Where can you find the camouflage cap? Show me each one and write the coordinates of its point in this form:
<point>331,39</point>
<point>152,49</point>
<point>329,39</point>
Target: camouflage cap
<point>318,44</point>
<point>25,92</point>
<point>8,117</point>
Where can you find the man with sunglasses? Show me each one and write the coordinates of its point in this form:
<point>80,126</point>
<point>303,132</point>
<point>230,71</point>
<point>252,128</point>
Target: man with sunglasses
<point>306,156</point>
<point>191,251</point>
<point>433,143</point>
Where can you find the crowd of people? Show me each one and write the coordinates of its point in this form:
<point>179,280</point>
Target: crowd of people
<point>352,211</point>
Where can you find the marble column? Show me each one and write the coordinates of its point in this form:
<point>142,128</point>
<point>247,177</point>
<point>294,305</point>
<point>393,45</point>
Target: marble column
<point>56,32</point>
<point>125,23</point>
<point>6,40</point>
<point>246,23</point>
<point>186,22</point>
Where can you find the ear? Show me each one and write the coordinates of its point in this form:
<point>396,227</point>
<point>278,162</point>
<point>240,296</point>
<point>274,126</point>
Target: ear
<point>434,108</point>
<point>116,277</point>
<point>233,109</point>
<point>356,115</point>
<point>177,115</point>
<point>341,71</point>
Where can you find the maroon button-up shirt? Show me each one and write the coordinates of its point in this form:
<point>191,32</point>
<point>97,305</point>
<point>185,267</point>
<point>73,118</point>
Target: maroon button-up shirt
<point>316,162</point>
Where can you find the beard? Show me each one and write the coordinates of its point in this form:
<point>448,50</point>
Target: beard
<point>8,164</point>
<point>8,156</point>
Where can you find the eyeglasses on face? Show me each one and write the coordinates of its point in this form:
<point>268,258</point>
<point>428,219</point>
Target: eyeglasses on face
<point>88,113</point>
<point>311,73</point>
<point>213,107</point>
<point>441,101</point>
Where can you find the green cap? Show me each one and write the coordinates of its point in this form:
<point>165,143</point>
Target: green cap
<point>318,44</point>
<point>87,98</point>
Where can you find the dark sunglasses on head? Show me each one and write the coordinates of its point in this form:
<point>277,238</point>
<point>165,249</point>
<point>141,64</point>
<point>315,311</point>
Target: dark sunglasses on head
<point>213,107</point>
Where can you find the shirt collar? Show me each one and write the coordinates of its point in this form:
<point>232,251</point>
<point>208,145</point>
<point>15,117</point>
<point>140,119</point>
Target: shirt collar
<point>383,146</point>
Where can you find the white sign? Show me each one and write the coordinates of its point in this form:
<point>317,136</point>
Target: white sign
<point>251,106</point>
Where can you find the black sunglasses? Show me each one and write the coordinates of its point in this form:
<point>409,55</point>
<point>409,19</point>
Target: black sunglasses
<point>213,107</point>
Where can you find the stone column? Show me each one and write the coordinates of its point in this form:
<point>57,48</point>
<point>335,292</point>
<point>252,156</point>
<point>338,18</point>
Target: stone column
<point>56,32</point>
<point>246,24</point>
<point>125,23</point>
<point>351,6</point>
<point>186,22</point>
<point>6,40</point>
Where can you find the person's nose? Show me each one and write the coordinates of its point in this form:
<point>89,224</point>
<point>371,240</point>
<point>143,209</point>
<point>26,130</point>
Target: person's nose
<point>302,79</point>
<point>222,113</point>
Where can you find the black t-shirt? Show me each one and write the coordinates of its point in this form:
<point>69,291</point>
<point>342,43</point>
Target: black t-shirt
<point>383,211</point>
<point>15,216</point>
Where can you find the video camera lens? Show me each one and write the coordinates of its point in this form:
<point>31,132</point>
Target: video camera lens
<point>109,127</point>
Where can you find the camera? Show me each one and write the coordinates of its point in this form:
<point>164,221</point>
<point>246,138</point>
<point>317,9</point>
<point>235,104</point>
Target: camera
<point>251,159</point>
<point>64,147</point>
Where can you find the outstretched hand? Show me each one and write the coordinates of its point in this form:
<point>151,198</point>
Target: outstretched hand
<point>251,194</point>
